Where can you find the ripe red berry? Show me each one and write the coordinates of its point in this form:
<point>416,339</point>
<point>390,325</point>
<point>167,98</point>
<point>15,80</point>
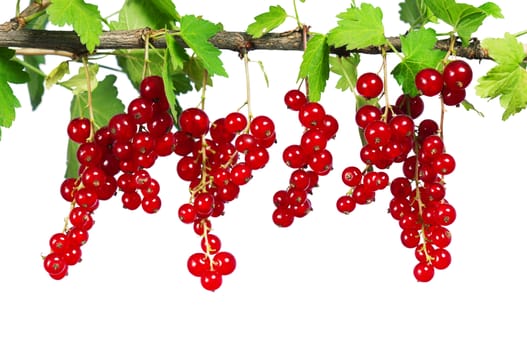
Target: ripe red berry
<point>295,99</point>
<point>79,129</point>
<point>369,85</point>
<point>457,75</point>
<point>429,81</point>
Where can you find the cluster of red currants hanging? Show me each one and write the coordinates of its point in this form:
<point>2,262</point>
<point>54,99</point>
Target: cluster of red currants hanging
<point>392,135</point>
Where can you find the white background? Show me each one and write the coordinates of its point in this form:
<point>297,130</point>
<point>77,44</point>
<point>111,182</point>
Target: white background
<point>328,282</point>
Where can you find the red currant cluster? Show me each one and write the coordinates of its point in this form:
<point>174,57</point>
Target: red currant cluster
<point>391,136</point>
<point>451,84</point>
<point>217,159</point>
<point>309,159</point>
<point>114,157</point>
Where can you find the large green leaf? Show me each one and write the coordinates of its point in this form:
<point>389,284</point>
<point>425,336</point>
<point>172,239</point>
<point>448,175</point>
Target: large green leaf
<point>267,21</point>
<point>315,65</point>
<point>85,19</point>
<point>465,19</point>
<point>419,53</point>
<point>508,79</point>
<point>196,32</point>
<point>10,72</point>
<point>358,28</point>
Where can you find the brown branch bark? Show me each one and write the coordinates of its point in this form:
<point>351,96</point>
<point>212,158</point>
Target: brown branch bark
<point>68,41</point>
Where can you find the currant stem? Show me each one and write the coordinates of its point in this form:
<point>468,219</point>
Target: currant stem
<point>203,89</point>
<point>385,78</point>
<point>247,87</point>
<point>90,100</point>
<point>146,38</point>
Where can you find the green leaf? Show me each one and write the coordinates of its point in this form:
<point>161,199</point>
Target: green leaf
<point>132,63</point>
<point>35,84</point>
<point>196,33</point>
<point>155,14</point>
<point>507,80</point>
<point>78,83</point>
<point>85,19</point>
<point>465,19</point>
<point>315,65</point>
<point>10,72</point>
<point>415,13</point>
<point>105,105</point>
<point>57,74</point>
<point>418,49</point>
<point>358,28</point>
<point>346,68</point>
<point>267,21</point>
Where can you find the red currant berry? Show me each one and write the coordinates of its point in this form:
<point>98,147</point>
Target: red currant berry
<point>369,85</point>
<point>429,81</point>
<point>457,75</point>
<point>295,99</point>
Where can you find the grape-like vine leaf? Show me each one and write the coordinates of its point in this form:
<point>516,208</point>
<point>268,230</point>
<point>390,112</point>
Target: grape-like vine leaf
<point>85,19</point>
<point>196,32</point>
<point>418,49</point>
<point>105,104</point>
<point>346,68</point>
<point>267,21</point>
<point>78,82</point>
<point>358,28</point>
<point>508,79</point>
<point>465,19</point>
<point>10,72</point>
<point>315,65</point>
<point>154,14</point>
<point>416,13</point>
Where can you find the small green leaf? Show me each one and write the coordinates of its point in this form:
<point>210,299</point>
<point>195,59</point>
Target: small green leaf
<point>358,28</point>
<point>266,22</point>
<point>418,49</point>
<point>85,19</point>
<point>196,33</point>
<point>415,13</point>
<point>78,83</point>
<point>507,80</point>
<point>346,68</point>
<point>105,105</point>
<point>315,65</point>
<point>57,74</point>
<point>10,72</point>
<point>155,14</point>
